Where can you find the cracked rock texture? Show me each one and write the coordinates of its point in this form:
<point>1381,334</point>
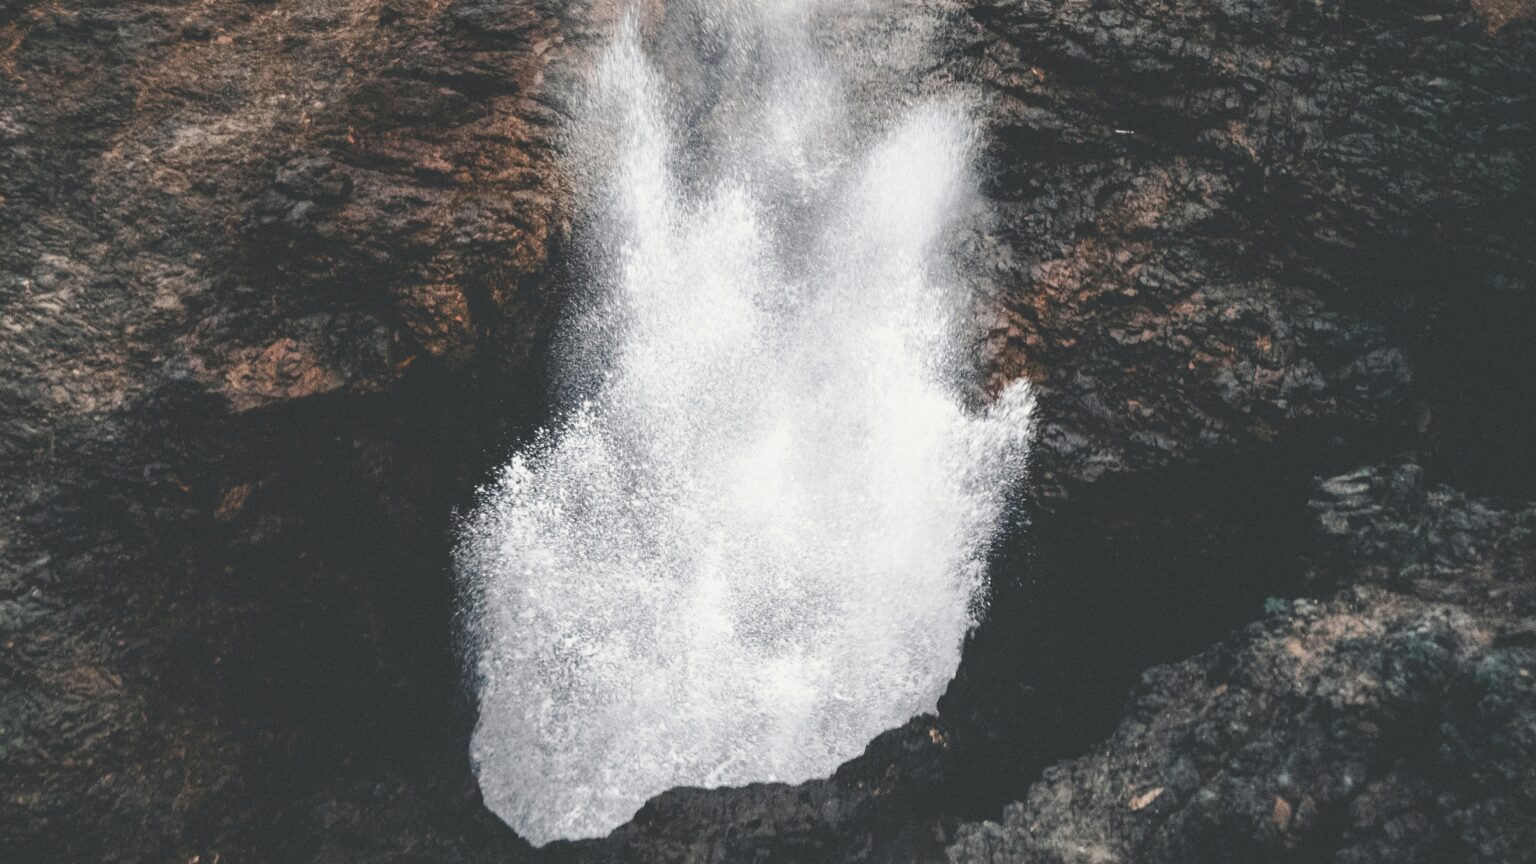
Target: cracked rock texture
<point>1231,223</point>
<point>1394,721</point>
<point>273,283</point>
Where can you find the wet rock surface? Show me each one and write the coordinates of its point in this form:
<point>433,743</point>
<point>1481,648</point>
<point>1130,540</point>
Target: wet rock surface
<point>1393,721</point>
<point>1234,224</point>
<point>274,284</point>
<point>1246,246</point>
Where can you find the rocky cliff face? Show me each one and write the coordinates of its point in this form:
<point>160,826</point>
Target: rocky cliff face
<point>275,279</point>
<point>270,273</point>
<point>1393,721</point>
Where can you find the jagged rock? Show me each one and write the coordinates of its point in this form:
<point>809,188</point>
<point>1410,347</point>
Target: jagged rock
<point>1206,250</point>
<point>1383,724</point>
<point>291,248</point>
<point>1384,524</point>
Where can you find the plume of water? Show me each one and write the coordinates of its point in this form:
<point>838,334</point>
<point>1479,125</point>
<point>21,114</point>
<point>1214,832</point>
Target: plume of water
<point>757,537</point>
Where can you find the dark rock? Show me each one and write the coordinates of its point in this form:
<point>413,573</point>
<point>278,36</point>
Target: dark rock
<point>1287,281</point>
<point>240,247</point>
<point>1379,725</point>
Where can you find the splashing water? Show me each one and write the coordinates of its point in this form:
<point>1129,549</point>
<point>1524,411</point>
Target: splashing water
<point>758,537</point>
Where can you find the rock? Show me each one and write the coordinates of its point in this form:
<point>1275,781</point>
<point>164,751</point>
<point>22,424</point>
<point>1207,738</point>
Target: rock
<point>1279,269</point>
<point>240,244</point>
<point>1385,524</point>
<point>1359,728</point>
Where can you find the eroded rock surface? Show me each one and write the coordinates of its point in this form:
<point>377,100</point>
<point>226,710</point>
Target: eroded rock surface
<point>270,275</point>
<point>1246,244</point>
<point>1230,224</point>
<point>1395,721</point>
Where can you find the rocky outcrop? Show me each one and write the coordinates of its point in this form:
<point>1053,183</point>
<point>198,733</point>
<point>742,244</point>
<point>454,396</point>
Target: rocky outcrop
<point>1243,245</point>
<point>268,270</point>
<point>1395,721</point>
<point>1232,224</point>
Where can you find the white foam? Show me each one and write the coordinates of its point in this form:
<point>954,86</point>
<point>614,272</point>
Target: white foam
<point>757,538</point>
